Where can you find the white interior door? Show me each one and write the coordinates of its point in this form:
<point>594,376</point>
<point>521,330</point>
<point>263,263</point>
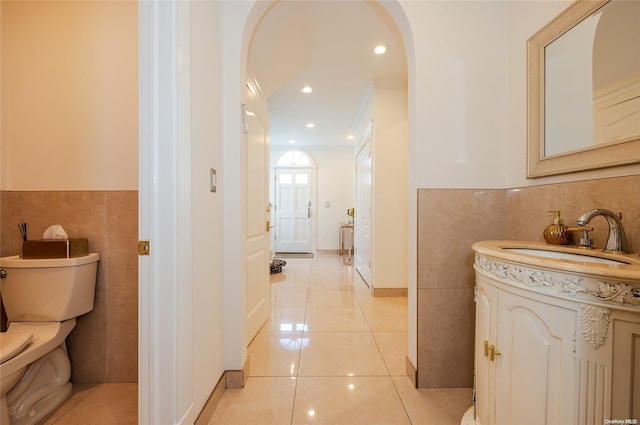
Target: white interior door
<point>363,211</point>
<point>257,243</point>
<point>293,210</point>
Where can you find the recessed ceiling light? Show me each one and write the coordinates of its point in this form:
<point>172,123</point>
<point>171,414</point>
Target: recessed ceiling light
<point>306,89</point>
<point>350,137</point>
<point>291,142</point>
<point>380,49</point>
<point>310,125</point>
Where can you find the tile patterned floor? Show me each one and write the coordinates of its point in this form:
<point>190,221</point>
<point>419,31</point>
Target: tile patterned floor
<point>330,354</point>
<point>333,354</point>
<point>97,404</point>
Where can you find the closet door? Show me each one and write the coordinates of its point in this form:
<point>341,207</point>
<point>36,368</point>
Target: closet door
<point>363,212</point>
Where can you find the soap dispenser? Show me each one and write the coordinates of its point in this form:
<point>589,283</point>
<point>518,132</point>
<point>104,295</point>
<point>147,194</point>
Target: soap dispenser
<point>557,233</point>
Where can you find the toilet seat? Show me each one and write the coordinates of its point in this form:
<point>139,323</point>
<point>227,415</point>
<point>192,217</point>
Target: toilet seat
<point>12,343</point>
<point>46,336</point>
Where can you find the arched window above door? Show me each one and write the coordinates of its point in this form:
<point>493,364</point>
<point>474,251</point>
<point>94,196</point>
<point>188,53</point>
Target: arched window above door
<point>295,158</point>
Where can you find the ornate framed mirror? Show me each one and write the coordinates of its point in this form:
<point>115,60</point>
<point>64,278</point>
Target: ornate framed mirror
<point>583,89</point>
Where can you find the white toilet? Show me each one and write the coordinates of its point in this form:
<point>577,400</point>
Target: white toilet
<point>42,298</point>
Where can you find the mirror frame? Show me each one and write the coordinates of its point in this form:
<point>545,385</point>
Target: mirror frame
<point>611,154</point>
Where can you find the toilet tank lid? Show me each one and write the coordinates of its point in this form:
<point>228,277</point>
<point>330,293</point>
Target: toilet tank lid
<point>18,262</point>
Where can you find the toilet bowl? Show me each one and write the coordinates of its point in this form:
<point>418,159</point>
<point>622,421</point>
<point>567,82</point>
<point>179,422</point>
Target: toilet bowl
<point>23,367</point>
<point>42,298</point>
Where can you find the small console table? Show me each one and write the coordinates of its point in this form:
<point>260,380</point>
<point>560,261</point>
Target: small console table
<point>346,242</point>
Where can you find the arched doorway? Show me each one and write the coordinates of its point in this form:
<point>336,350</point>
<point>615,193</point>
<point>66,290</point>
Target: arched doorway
<point>397,15</point>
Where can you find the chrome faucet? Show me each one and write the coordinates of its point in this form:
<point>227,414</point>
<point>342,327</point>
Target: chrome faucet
<point>617,239</point>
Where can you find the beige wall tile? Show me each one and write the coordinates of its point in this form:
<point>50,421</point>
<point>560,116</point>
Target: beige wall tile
<point>528,211</point>
<point>5,235</point>
<point>122,334</point>
<point>122,221</point>
<point>87,343</point>
<point>528,208</point>
<point>445,338</point>
<point>449,221</point>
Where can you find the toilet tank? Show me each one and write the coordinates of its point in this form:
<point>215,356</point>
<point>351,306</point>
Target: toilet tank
<point>48,290</point>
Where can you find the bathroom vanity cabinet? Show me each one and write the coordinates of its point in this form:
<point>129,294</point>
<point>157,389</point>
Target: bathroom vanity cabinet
<point>554,346</point>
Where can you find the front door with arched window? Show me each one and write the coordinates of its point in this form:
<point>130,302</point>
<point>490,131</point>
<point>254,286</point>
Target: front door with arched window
<point>294,204</point>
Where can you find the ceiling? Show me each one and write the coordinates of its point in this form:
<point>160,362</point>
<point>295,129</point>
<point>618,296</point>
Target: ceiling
<point>327,45</point>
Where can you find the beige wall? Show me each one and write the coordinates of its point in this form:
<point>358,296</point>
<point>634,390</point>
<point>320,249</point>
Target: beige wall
<point>69,156</point>
<point>207,265</point>
<point>69,95</point>
<point>450,220</point>
<point>386,105</point>
<point>390,188</point>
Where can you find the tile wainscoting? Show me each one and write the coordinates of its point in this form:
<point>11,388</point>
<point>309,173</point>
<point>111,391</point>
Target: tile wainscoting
<point>104,344</point>
<point>450,220</point>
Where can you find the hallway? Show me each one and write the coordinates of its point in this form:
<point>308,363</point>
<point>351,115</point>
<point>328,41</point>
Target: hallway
<point>333,354</point>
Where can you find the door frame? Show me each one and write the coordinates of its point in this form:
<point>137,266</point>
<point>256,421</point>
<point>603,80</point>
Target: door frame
<point>164,217</point>
<point>312,167</point>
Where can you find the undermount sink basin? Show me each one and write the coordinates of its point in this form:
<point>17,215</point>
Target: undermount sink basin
<point>586,257</point>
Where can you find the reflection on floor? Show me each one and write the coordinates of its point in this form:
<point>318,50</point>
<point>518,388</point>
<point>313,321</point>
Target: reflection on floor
<point>98,404</point>
<point>333,354</point>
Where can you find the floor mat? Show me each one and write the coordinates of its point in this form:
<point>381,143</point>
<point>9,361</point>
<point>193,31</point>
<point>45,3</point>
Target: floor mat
<point>294,255</point>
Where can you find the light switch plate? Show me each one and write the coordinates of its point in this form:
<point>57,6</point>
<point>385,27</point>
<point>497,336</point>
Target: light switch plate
<point>213,180</point>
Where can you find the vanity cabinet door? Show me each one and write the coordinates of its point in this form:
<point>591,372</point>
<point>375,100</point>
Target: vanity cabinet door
<point>486,326</point>
<point>625,395</point>
<point>535,371</point>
